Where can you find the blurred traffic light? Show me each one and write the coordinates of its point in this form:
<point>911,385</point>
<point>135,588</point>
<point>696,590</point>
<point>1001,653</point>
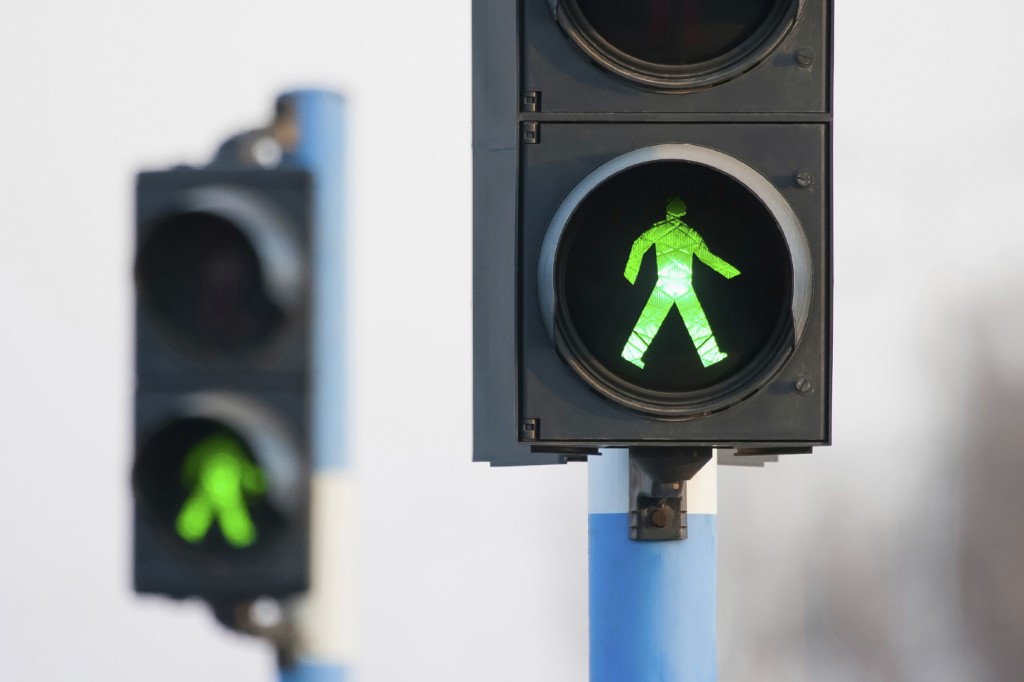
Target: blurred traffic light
<point>222,463</point>
<point>652,226</point>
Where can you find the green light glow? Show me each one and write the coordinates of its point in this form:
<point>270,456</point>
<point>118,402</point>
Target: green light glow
<point>676,243</point>
<point>221,476</point>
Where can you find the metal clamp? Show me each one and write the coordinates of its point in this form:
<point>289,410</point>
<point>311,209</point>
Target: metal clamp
<point>657,490</point>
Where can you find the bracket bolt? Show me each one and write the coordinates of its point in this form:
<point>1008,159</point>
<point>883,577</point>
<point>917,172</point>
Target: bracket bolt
<point>660,515</point>
<point>803,385</point>
<point>803,179</point>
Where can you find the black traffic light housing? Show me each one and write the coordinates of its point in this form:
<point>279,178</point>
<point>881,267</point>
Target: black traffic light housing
<point>223,350</point>
<point>573,117</point>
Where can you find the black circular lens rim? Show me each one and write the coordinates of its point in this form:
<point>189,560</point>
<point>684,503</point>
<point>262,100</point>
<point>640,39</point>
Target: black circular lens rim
<point>726,67</point>
<point>681,405</point>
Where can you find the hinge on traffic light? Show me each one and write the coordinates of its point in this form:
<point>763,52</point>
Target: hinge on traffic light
<point>531,101</point>
<point>657,490</point>
<point>529,429</point>
<point>531,132</point>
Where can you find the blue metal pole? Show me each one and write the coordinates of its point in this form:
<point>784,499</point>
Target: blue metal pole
<point>311,671</point>
<point>323,618</point>
<point>652,604</point>
<point>320,148</point>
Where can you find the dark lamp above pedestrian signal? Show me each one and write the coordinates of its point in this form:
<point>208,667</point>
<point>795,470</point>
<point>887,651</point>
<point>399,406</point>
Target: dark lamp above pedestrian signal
<point>219,273</point>
<point>677,44</point>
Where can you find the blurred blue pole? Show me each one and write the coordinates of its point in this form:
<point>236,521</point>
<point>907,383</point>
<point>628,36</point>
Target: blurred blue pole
<point>323,618</point>
<point>652,604</point>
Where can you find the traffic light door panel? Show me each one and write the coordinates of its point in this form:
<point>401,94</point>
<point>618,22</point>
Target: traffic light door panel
<point>745,56</point>
<point>684,282</point>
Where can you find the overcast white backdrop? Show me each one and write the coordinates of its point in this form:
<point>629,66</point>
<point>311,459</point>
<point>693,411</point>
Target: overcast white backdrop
<point>849,564</point>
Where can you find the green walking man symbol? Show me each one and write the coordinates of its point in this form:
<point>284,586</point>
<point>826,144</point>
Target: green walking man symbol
<point>222,477</point>
<point>675,243</point>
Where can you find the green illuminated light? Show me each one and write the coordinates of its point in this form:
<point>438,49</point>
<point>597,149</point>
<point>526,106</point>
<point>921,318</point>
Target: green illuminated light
<point>221,477</point>
<point>676,243</point>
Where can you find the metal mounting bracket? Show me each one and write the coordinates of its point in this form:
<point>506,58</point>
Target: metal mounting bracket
<point>280,631</point>
<point>657,490</point>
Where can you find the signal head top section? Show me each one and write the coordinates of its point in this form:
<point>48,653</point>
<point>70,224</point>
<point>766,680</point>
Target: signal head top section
<point>743,56</point>
<point>222,266</point>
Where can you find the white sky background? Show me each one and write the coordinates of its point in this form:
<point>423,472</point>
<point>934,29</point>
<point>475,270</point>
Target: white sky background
<point>468,573</point>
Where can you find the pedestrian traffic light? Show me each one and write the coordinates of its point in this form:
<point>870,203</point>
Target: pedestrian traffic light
<point>223,331</point>
<point>652,226</point>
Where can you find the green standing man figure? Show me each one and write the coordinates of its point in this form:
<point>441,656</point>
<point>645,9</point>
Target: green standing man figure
<point>676,243</point>
<point>221,478</point>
